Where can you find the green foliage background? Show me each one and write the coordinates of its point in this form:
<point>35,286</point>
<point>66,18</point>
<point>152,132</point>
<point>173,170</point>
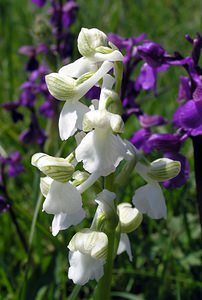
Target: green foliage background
<point>167,257</point>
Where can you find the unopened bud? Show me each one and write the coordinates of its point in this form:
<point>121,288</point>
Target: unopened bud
<point>130,217</point>
<point>55,167</point>
<point>60,86</point>
<point>89,40</point>
<point>164,169</point>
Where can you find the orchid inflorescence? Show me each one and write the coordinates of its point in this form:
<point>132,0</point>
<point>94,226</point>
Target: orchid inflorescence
<point>106,158</point>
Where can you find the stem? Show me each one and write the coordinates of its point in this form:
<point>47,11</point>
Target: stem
<point>103,289</point>
<point>18,229</point>
<point>197,144</point>
<point>117,107</point>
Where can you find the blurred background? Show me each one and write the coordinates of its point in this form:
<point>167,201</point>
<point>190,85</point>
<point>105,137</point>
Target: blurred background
<point>167,257</point>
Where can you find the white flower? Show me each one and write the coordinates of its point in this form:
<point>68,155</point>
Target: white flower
<point>71,116</point>
<point>93,43</point>
<point>63,201</point>
<point>124,245</point>
<point>149,200</point>
<point>88,250</point>
<point>100,149</point>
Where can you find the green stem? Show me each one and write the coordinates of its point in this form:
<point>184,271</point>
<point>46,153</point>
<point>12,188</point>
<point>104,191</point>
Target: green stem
<point>103,289</point>
<point>117,106</point>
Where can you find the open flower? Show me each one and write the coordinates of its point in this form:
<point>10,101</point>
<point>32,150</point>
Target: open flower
<point>149,198</point>
<point>88,250</point>
<point>68,89</point>
<point>62,199</point>
<point>101,149</point>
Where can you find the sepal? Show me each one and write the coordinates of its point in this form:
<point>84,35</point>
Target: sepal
<point>60,86</point>
<point>164,169</point>
<point>55,167</point>
<point>130,217</point>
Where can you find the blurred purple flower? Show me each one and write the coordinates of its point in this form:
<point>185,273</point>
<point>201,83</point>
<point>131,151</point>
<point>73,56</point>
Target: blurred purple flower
<point>40,3</point>
<point>4,206</point>
<point>184,92</point>
<point>140,139</point>
<point>147,121</point>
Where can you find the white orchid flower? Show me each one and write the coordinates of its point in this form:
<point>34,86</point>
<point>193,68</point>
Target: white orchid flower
<point>88,251</point>
<point>149,198</point>
<point>101,149</point>
<point>64,87</point>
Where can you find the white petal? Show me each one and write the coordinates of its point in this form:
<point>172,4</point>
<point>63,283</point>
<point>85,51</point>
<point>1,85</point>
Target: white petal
<point>113,56</point>
<point>100,151</point>
<point>63,221</point>
<point>78,68</point>
<point>84,268</point>
<point>124,245</point>
<point>84,87</point>
<point>71,118</point>
<point>105,201</point>
<point>62,198</point>
<point>149,199</point>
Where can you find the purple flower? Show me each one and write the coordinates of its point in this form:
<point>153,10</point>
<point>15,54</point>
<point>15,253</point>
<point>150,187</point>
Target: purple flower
<point>126,43</point>
<point>147,78</point>
<point>140,139</point>
<point>147,121</point>
<point>14,165</point>
<point>40,3</point>
<point>165,142</point>
<point>4,206</point>
<point>151,53</point>
<point>33,135</point>
<point>184,92</point>
<point>48,108</point>
<point>188,117</point>
<point>68,15</point>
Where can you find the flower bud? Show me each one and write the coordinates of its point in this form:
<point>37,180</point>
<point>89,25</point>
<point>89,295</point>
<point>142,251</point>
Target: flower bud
<point>130,217</point>
<point>164,169</point>
<point>55,167</point>
<point>60,86</point>
<point>89,40</point>
<point>90,242</point>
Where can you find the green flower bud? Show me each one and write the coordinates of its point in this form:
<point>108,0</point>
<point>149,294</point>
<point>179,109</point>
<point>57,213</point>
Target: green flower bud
<point>164,169</point>
<point>90,242</point>
<point>130,217</point>
<point>89,40</point>
<point>55,167</point>
<point>60,86</point>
